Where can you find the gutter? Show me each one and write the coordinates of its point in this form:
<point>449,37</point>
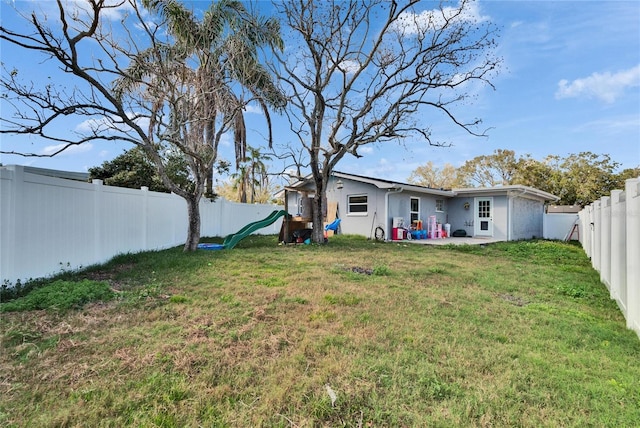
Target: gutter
<point>392,190</point>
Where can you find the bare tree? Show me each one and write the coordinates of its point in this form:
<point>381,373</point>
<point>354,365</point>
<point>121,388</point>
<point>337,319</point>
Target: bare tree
<point>165,82</point>
<point>362,72</point>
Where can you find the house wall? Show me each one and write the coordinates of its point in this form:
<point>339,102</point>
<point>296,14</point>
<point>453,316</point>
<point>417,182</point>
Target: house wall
<point>459,217</point>
<point>400,206</point>
<point>514,217</point>
<point>358,223</point>
<point>526,218</point>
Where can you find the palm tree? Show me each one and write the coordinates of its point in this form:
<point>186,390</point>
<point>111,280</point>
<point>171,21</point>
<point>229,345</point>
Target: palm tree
<point>251,174</point>
<point>199,87</point>
<point>257,170</point>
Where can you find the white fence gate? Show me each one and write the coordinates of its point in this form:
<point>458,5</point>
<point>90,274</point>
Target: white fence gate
<point>48,224</point>
<point>611,239</point>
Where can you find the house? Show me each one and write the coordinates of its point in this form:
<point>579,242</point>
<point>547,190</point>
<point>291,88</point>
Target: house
<point>375,207</point>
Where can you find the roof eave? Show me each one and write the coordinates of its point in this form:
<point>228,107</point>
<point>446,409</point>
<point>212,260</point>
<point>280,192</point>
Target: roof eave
<point>524,190</point>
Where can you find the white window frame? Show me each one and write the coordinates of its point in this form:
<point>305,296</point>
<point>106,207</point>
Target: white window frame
<point>411,211</point>
<point>440,202</point>
<point>365,204</point>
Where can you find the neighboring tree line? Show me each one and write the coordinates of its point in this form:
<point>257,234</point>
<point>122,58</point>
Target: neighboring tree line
<point>577,179</point>
<point>132,169</point>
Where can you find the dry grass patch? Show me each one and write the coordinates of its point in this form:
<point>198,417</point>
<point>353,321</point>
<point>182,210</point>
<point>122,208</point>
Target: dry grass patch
<point>518,334</point>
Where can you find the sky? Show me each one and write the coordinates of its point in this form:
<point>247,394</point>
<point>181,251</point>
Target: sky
<point>569,83</point>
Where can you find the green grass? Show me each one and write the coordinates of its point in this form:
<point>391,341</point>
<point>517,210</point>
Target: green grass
<point>61,295</point>
<point>511,334</point>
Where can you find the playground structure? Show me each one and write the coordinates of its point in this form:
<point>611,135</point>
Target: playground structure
<point>232,240</point>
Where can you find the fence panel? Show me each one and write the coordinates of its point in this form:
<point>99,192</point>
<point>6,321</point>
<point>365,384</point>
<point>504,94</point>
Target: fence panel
<point>613,244</point>
<point>605,241</point>
<point>632,215</point>
<point>559,226</point>
<point>618,268</point>
<point>48,223</point>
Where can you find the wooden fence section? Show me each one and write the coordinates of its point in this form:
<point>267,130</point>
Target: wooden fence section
<point>611,239</point>
<point>48,224</point>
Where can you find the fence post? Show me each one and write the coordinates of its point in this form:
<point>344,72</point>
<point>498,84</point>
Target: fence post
<point>588,231</point>
<point>145,215</point>
<point>585,229</point>
<point>605,241</point>
<point>97,219</point>
<point>618,249</point>
<point>597,242</point>
<point>592,232</point>
<point>12,222</point>
<point>632,193</point>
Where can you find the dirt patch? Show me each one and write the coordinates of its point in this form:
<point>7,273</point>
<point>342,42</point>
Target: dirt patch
<point>515,300</point>
<point>360,270</point>
<point>110,275</point>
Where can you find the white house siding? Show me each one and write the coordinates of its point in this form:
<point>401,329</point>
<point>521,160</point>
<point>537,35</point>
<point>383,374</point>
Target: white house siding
<point>461,218</point>
<point>358,223</point>
<point>526,218</point>
<point>400,206</point>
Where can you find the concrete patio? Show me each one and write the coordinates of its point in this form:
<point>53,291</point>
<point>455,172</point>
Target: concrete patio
<point>467,240</point>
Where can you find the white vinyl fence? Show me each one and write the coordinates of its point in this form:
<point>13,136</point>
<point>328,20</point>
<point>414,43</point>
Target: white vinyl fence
<point>612,241</point>
<point>560,226</point>
<point>49,224</point>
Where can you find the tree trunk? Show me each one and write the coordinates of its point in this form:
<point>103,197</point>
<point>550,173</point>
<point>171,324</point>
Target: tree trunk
<point>209,187</point>
<point>317,217</point>
<point>193,234</point>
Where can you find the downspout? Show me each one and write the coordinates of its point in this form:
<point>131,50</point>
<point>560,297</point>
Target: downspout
<point>393,190</point>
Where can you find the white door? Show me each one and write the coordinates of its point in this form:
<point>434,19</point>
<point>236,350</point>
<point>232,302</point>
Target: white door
<point>483,224</point>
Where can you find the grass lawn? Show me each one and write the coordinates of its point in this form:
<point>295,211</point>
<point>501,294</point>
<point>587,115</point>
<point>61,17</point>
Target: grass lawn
<point>354,333</point>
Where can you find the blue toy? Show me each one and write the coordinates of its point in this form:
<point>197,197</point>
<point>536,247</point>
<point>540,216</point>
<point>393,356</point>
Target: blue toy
<point>333,225</point>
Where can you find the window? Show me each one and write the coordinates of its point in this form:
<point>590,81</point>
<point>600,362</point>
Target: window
<point>357,204</point>
<point>439,205</point>
<point>484,209</point>
<point>415,209</point>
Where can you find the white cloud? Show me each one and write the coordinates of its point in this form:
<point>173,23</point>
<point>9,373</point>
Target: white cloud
<point>365,150</point>
<point>92,124</point>
<point>113,10</point>
<point>71,150</point>
<point>428,20</point>
<point>604,86</point>
<point>252,108</point>
<point>107,123</point>
<point>349,66</point>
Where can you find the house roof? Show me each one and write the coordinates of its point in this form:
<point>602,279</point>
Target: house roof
<point>513,190</point>
<point>388,184</point>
